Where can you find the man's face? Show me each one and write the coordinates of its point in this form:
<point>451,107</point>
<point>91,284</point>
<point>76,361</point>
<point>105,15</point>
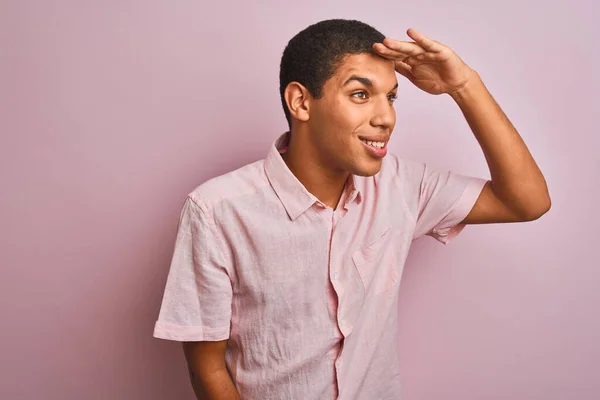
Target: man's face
<point>356,105</point>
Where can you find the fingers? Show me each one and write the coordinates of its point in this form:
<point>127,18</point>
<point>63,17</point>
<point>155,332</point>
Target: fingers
<point>412,60</point>
<point>404,69</point>
<point>426,58</point>
<point>401,49</point>
<point>390,54</point>
<point>425,42</point>
<point>396,47</point>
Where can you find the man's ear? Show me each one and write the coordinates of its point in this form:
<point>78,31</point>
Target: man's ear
<point>298,100</point>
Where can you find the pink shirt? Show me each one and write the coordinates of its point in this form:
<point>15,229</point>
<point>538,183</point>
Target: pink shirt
<point>306,295</point>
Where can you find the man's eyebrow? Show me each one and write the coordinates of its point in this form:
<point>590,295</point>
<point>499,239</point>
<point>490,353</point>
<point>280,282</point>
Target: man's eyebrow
<point>365,81</point>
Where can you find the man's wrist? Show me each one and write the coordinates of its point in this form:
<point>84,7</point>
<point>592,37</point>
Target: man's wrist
<point>469,89</point>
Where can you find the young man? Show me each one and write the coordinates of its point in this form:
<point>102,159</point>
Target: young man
<point>284,280</point>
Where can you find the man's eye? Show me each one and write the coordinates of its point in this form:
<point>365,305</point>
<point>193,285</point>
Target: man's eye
<point>392,97</point>
<point>359,94</point>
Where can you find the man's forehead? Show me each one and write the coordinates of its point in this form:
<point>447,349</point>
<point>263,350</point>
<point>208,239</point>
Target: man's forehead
<point>377,69</point>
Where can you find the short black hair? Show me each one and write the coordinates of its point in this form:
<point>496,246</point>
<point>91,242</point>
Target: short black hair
<point>313,55</point>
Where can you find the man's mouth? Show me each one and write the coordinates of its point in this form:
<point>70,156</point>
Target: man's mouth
<point>377,145</point>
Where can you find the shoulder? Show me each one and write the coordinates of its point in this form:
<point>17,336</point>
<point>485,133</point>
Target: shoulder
<point>245,180</point>
<point>405,171</point>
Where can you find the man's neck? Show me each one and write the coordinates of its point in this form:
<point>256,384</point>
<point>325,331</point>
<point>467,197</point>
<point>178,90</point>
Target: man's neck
<point>325,184</point>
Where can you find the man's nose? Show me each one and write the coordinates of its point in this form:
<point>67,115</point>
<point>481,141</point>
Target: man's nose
<point>385,115</point>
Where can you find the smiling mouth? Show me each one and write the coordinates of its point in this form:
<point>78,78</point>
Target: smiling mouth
<point>377,145</point>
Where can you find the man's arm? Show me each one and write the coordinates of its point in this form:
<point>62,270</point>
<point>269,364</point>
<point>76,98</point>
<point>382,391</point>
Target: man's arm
<point>208,371</point>
<point>518,190</point>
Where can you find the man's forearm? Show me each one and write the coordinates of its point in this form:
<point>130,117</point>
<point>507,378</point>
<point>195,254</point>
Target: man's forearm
<point>516,179</point>
<point>216,386</point>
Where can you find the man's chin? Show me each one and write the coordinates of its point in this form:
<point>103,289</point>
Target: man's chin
<point>367,170</point>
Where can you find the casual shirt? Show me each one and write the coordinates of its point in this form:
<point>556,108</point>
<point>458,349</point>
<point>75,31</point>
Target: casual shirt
<point>306,295</point>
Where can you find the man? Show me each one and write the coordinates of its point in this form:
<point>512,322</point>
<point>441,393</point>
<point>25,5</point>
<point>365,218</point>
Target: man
<point>284,280</point>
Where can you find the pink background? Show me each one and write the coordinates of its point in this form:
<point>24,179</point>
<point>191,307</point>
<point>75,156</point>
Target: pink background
<point>112,111</point>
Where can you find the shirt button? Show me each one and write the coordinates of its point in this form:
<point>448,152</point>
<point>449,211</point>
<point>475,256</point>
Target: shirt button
<point>336,276</point>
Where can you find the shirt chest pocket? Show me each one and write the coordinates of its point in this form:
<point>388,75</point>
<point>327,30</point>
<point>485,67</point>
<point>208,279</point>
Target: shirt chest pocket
<point>376,263</point>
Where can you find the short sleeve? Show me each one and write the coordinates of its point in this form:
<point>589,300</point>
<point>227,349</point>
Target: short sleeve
<point>196,304</point>
<point>445,199</point>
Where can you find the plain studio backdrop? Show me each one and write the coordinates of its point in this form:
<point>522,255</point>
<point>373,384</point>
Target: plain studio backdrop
<point>112,111</point>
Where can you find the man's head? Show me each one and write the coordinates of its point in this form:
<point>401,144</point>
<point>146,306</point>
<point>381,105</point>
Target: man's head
<point>335,91</point>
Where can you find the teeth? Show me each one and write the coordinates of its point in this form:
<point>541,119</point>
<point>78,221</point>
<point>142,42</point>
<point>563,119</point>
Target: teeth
<point>378,145</point>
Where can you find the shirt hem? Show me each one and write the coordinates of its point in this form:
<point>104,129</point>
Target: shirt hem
<point>163,330</point>
<point>464,206</point>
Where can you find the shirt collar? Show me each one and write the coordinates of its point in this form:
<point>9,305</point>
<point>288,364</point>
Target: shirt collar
<point>291,192</point>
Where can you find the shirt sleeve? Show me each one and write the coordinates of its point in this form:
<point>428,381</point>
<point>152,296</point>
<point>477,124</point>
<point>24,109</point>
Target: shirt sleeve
<point>196,304</point>
<point>445,199</point>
